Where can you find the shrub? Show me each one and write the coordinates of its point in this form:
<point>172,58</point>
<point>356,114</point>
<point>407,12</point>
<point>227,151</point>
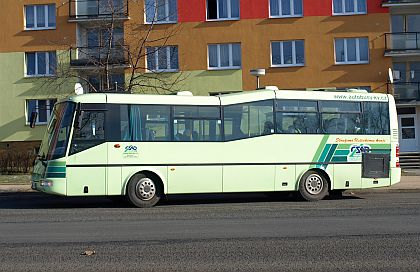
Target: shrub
<point>16,162</point>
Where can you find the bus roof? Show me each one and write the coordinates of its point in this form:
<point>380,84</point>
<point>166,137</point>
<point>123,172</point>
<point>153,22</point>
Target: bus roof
<point>226,99</point>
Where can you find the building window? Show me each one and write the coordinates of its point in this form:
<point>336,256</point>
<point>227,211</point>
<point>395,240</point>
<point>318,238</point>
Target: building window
<point>162,59</point>
<point>349,7</point>
<point>41,63</point>
<point>286,8</point>
<point>100,37</point>
<point>287,53</point>
<point>42,108</point>
<point>98,83</point>
<point>222,9</point>
<point>39,17</point>
<point>351,51</point>
<point>161,11</point>
<point>224,56</point>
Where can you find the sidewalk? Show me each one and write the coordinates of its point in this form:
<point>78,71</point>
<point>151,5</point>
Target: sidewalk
<point>407,183</point>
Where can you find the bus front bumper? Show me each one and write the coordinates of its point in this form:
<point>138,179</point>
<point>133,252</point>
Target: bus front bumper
<point>49,186</point>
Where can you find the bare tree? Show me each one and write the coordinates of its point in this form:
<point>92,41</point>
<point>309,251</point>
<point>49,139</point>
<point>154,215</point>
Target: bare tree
<point>111,46</point>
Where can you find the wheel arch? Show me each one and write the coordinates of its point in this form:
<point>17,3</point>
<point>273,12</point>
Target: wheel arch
<point>321,171</point>
<point>149,172</point>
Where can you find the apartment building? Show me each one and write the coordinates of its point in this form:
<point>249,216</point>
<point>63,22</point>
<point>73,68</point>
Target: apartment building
<point>204,46</point>
<point>403,46</point>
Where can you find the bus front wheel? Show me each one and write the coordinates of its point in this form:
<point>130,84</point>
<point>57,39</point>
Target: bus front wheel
<point>313,186</point>
<point>143,191</point>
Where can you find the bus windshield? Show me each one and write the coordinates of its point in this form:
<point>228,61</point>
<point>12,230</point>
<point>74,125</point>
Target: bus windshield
<point>56,138</point>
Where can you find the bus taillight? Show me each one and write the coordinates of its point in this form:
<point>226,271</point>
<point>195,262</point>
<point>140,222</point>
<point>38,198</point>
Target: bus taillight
<point>397,156</point>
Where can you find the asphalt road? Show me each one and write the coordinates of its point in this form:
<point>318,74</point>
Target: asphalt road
<point>246,232</point>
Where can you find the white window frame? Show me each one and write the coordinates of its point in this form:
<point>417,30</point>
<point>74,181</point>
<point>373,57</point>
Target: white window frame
<point>47,64</point>
<point>294,64</point>
<point>343,11</point>
<point>156,59</point>
<point>46,13</point>
<point>219,61</point>
<point>48,110</point>
<point>358,61</point>
<point>292,10</point>
<point>229,11</point>
<point>167,13</point>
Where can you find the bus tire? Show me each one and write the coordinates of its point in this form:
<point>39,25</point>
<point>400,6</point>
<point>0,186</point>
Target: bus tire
<point>313,186</point>
<point>143,191</point>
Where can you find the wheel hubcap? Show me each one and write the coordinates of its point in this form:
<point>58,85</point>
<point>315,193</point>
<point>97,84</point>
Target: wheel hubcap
<point>145,189</point>
<point>314,184</point>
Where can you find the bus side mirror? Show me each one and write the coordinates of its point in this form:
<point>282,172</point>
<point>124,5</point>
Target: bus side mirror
<point>32,120</point>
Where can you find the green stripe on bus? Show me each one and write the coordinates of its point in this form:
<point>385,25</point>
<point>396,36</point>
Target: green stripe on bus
<point>56,175</point>
<point>57,163</point>
<point>330,153</point>
<point>56,169</point>
<point>320,148</point>
<point>339,159</point>
<point>339,152</point>
<point>325,152</point>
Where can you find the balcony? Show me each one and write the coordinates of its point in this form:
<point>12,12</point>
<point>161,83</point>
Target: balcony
<point>88,10</point>
<point>400,3</point>
<point>405,91</point>
<point>402,44</point>
<point>99,57</point>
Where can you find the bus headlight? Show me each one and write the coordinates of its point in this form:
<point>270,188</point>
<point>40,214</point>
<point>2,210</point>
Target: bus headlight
<point>46,183</point>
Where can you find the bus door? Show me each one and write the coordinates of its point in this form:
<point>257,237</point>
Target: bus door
<point>88,156</point>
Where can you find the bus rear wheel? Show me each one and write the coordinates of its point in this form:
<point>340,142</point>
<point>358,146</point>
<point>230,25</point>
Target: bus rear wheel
<point>313,186</point>
<point>143,191</point>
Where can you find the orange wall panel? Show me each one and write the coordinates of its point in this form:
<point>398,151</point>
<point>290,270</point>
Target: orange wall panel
<point>255,36</point>
<point>14,38</point>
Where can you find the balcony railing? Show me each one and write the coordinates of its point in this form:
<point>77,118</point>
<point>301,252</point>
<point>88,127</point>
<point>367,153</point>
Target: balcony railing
<point>99,57</point>
<point>91,9</point>
<point>405,91</point>
<point>387,3</point>
<point>402,41</point>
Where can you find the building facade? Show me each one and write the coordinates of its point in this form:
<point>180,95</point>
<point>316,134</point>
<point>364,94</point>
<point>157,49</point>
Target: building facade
<point>403,46</point>
<point>203,46</point>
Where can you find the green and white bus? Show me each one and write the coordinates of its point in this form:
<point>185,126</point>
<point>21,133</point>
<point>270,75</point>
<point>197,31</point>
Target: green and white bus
<point>148,146</point>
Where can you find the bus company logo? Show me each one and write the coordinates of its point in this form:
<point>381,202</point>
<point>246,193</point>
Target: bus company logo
<point>130,148</point>
<point>356,152</point>
<point>130,151</point>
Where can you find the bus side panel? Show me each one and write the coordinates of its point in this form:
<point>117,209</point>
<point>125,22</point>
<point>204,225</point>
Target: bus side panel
<point>347,173</point>
<point>248,178</point>
<point>285,179</point>
<point>113,180</point>
<point>195,179</point>
<point>86,171</point>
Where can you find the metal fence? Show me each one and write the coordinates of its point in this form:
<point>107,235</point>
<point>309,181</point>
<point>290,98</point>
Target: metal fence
<point>400,41</point>
<point>99,56</point>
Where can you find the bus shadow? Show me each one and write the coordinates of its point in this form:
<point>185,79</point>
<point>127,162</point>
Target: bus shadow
<point>286,197</point>
<point>32,200</point>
